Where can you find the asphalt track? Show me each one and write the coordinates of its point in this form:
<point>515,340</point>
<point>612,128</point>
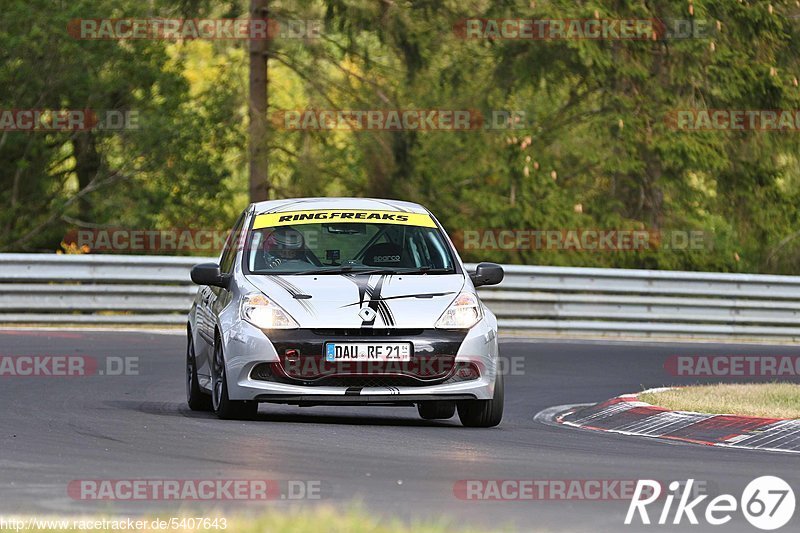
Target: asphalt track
<point>55,430</point>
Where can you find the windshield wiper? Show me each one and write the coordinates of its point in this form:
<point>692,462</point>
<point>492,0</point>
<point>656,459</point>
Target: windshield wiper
<point>426,270</point>
<point>350,270</point>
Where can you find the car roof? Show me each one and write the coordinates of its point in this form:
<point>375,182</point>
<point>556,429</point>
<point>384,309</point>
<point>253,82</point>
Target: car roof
<point>303,204</point>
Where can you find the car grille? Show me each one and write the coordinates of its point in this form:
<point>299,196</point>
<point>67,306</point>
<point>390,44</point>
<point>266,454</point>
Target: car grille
<point>273,372</point>
<point>367,332</point>
<point>371,381</point>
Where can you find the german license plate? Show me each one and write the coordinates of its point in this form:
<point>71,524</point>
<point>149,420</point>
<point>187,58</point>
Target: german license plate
<point>367,351</point>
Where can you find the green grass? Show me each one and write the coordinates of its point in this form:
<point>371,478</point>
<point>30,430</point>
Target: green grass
<point>771,400</point>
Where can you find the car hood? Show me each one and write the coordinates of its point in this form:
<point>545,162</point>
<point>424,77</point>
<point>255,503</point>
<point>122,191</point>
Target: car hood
<point>395,301</point>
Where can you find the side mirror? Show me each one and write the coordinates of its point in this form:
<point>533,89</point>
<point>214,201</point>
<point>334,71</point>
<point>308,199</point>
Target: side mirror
<point>209,274</point>
<point>487,274</point>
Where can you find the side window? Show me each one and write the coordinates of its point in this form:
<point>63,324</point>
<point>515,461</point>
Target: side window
<point>231,245</point>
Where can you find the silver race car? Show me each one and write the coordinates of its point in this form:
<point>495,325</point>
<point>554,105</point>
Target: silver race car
<point>348,301</point>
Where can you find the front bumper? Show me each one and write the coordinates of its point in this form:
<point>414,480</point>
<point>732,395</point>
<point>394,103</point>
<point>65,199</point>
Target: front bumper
<point>364,399</point>
<point>247,349</point>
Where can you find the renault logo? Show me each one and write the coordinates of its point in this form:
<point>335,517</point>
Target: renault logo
<point>367,314</point>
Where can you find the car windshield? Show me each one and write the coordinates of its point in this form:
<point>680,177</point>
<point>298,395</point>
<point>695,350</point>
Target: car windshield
<point>409,244</point>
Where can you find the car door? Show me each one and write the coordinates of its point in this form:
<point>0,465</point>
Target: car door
<point>212,301</point>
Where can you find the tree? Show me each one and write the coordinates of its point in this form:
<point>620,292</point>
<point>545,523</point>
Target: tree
<point>257,112</point>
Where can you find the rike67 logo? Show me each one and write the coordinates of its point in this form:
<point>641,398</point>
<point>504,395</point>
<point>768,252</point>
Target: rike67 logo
<point>768,503</point>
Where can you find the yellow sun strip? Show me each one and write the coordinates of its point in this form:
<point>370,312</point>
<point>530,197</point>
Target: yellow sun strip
<point>292,218</point>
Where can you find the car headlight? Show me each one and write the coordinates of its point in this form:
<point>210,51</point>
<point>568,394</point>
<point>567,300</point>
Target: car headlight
<point>265,314</point>
<point>463,313</point>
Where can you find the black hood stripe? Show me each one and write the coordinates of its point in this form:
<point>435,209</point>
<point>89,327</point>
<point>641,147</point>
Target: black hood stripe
<point>374,302</point>
<point>294,291</point>
<point>386,313</point>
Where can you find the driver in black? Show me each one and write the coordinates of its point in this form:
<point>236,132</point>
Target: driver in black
<point>285,248</point>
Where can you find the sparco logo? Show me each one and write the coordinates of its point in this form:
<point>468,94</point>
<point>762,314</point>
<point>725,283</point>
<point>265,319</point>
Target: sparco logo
<point>386,259</point>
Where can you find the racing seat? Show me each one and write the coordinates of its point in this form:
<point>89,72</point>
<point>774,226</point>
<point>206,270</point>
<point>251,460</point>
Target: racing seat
<point>387,254</point>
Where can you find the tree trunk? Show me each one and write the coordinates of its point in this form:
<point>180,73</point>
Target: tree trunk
<point>87,165</point>
<point>259,50</point>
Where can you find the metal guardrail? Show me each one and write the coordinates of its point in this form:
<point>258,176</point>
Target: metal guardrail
<point>105,289</point>
<point>95,289</point>
<point>647,302</point>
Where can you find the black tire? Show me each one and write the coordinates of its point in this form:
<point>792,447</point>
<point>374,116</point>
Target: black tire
<point>223,406</point>
<point>436,410</point>
<point>195,397</point>
<point>483,413</point>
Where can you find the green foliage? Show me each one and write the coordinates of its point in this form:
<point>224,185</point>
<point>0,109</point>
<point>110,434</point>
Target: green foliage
<point>596,149</point>
<point>172,171</point>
